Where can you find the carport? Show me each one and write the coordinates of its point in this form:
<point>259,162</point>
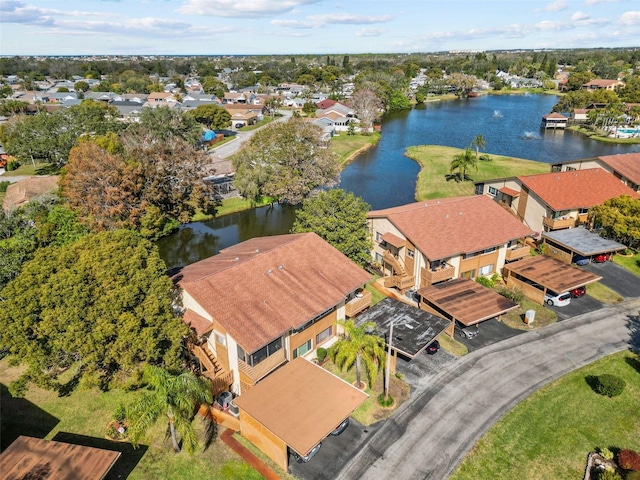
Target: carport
<point>564,244</point>
<point>297,406</point>
<point>548,273</point>
<point>464,300</point>
<point>413,329</point>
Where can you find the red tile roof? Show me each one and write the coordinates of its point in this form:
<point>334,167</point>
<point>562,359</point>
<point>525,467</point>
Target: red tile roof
<point>451,226</point>
<point>627,164</point>
<point>394,240</point>
<point>326,103</point>
<point>200,324</point>
<point>576,188</point>
<point>554,115</point>
<point>260,289</point>
<point>509,191</point>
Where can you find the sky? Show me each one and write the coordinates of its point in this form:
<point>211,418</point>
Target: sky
<point>258,27</point>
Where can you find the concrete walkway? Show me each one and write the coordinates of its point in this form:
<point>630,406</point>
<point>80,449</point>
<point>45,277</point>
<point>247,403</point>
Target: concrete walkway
<point>433,431</point>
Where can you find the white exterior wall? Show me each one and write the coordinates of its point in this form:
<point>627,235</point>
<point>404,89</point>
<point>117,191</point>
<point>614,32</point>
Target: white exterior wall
<point>534,213</point>
<point>232,348</point>
<point>189,303</point>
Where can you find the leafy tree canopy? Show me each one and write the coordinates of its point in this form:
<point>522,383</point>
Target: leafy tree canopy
<point>284,161</point>
<point>212,116</point>
<point>163,123</point>
<point>340,218</point>
<point>620,219</point>
<point>101,304</point>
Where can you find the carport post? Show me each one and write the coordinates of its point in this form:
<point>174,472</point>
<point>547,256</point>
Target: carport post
<point>386,374</point>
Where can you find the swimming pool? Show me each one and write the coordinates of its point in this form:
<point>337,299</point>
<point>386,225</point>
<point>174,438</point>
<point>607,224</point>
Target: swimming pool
<point>629,131</point>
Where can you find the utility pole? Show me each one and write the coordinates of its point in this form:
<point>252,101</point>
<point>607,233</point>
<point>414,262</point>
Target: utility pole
<point>387,373</point>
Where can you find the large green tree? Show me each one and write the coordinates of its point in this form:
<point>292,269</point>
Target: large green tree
<point>340,218</point>
<point>619,218</point>
<point>359,347</point>
<point>101,304</point>
<point>176,397</point>
<point>212,116</point>
<point>284,161</point>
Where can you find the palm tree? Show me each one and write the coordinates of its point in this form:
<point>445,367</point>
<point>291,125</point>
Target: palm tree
<point>478,142</point>
<point>463,162</point>
<point>359,347</point>
<point>177,397</point>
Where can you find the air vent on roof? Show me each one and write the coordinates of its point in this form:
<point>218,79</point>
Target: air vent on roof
<point>280,267</point>
<point>460,213</point>
<point>257,250</point>
<point>269,272</point>
<point>236,259</point>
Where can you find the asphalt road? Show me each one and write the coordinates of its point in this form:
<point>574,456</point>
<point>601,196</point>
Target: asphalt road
<point>433,431</point>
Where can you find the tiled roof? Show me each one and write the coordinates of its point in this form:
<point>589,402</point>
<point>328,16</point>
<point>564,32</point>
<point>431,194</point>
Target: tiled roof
<point>576,188</point>
<point>509,191</point>
<point>200,324</point>
<point>554,115</point>
<point>21,192</point>
<point>394,240</point>
<point>451,226</point>
<point>627,164</point>
<point>259,289</point>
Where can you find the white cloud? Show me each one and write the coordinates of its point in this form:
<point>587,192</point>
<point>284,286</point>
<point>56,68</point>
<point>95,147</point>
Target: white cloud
<point>550,26</point>
<point>595,2</point>
<point>556,6</point>
<point>629,19</point>
<point>242,8</point>
<point>320,21</point>
<point>579,16</point>
<point>371,32</point>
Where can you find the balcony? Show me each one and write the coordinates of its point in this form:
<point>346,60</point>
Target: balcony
<point>558,223</point>
<point>253,374</point>
<point>582,218</point>
<point>440,274</point>
<point>401,282</point>
<point>517,252</point>
<point>358,304</point>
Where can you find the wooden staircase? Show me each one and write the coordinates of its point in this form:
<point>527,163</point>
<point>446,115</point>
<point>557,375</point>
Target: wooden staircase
<point>398,268</point>
<point>400,278</point>
<point>221,380</point>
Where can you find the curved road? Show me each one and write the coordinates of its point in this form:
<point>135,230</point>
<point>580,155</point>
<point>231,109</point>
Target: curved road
<point>433,431</point>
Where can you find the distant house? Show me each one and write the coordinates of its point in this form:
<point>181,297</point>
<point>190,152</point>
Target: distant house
<point>602,84</point>
<point>579,115</point>
<point>266,301</point>
<point>428,242</point>
<point>556,200</point>
<point>160,98</point>
<point>624,166</point>
<point>554,120</point>
<point>19,193</point>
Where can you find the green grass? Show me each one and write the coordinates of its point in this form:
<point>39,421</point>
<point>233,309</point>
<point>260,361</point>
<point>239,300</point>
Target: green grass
<point>28,169</point>
<point>370,412</point>
<point>514,318</point>
<point>602,136</point>
<point>86,413</point>
<point>261,123</point>
<point>548,435</point>
<point>603,293</point>
<point>347,147</point>
<point>451,345</point>
<point>630,263</point>
<point>229,206</point>
<point>435,160</point>
<point>376,295</point>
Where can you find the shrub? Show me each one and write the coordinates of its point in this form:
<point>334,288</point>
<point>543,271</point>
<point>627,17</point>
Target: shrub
<point>629,459</point>
<point>321,353</point>
<point>485,281</point>
<point>120,414</point>
<point>485,158</point>
<point>606,453</point>
<point>513,294</point>
<point>12,165</point>
<point>609,475</point>
<point>19,388</point>
<point>633,476</point>
<point>3,186</point>
<point>609,385</point>
<point>385,402</point>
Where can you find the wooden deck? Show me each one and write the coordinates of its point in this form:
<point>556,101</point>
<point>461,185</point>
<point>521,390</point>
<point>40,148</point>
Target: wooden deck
<point>559,223</point>
<point>518,252</point>
<point>357,305</point>
<point>221,380</point>
<point>251,375</point>
<point>441,274</point>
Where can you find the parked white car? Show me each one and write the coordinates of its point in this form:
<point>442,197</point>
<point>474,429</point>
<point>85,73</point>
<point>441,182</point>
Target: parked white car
<point>557,300</point>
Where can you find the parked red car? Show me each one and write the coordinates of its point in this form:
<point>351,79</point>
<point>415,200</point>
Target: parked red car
<point>603,257</point>
<point>578,292</point>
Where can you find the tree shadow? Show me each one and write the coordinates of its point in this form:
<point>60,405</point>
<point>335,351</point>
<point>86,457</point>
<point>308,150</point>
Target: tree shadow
<point>47,170</point>
<point>633,324</point>
<point>19,416</point>
<point>633,363</point>
<point>129,458</point>
<point>592,381</point>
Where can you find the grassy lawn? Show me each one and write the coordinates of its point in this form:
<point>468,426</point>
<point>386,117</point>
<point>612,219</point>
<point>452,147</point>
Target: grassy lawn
<point>435,160</point>
<point>549,434</point>
<point>370,412</point>
<point>630,263</point>
<point>348,146</point>
<point>229,206</point>
<point>261,123</point>
<point>451,345</point>
<point>603,293</point>
<point>29,169</point>
<point>602,136</point>
<point>81,418</point>
<point>514,318</point>
<point>376,295</point>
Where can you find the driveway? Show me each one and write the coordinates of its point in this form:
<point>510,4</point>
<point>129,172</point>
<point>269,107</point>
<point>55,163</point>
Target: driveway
<point>578,306</point>
<point>491,331</point>
<point>616,278</point>
<point>418,371</point>
<point>432,432</point>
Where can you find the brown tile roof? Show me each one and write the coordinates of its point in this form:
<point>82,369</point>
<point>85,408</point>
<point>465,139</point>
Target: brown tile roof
<point>326,103</point>
<point>450,226</point>
<point>301,403</point>
<point>627,164</point>
<point>394,240</point>
<point>552,274</point>
<point>466,300</point>
<point>200,324</point>
<point>576,188</point>
<point>264,287</point>
<point>29,457</point>
<point>601,83</point>
<point>509,191</point>
<point>554,115</point>
<point>21,192</point>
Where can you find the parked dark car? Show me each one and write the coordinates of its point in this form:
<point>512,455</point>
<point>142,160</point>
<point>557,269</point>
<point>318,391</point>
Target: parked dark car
<point>580,260</point>
<point>340,428</point>
<point>603,257</point>
<point>305,458</point>
<point>239,125</point>
<point>432,348</point>
<point>578,292</point>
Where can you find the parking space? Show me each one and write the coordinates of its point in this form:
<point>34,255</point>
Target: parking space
<point>334,453</point>
<point>423,366</point>
<point>616,278</point>
<point>578,306</point>
<point>491,331</point>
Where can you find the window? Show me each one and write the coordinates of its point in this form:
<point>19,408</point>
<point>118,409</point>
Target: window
<point>378,258</point>
<point>582,211</point>
<point>493,191</point>
<point>378,237</point>
<point>259,355</point>
<point>302,349</point>
<point>469,274</point>
<point>488,250</point>
<point>479,189</point>
<point>470,255</point>
<point>220,338</point>
<point>556,168</point>
<point>486,270</point>
<point>410,253</point>
<point>569,169</point>
<point>323,335</point>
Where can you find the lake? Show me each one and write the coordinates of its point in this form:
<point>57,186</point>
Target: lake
<point>385,178</point>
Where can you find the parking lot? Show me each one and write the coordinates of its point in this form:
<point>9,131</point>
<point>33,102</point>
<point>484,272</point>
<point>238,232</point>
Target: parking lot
<point>491,331</point>
<point>616,278</point>
<point>578,306</point>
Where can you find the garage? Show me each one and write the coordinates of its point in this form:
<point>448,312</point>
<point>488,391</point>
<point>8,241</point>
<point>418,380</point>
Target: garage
<point>296,407</point>
<point>464,300</point>
<point>566,244</point>
<point>537,275</point>
<point>413,329</point>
